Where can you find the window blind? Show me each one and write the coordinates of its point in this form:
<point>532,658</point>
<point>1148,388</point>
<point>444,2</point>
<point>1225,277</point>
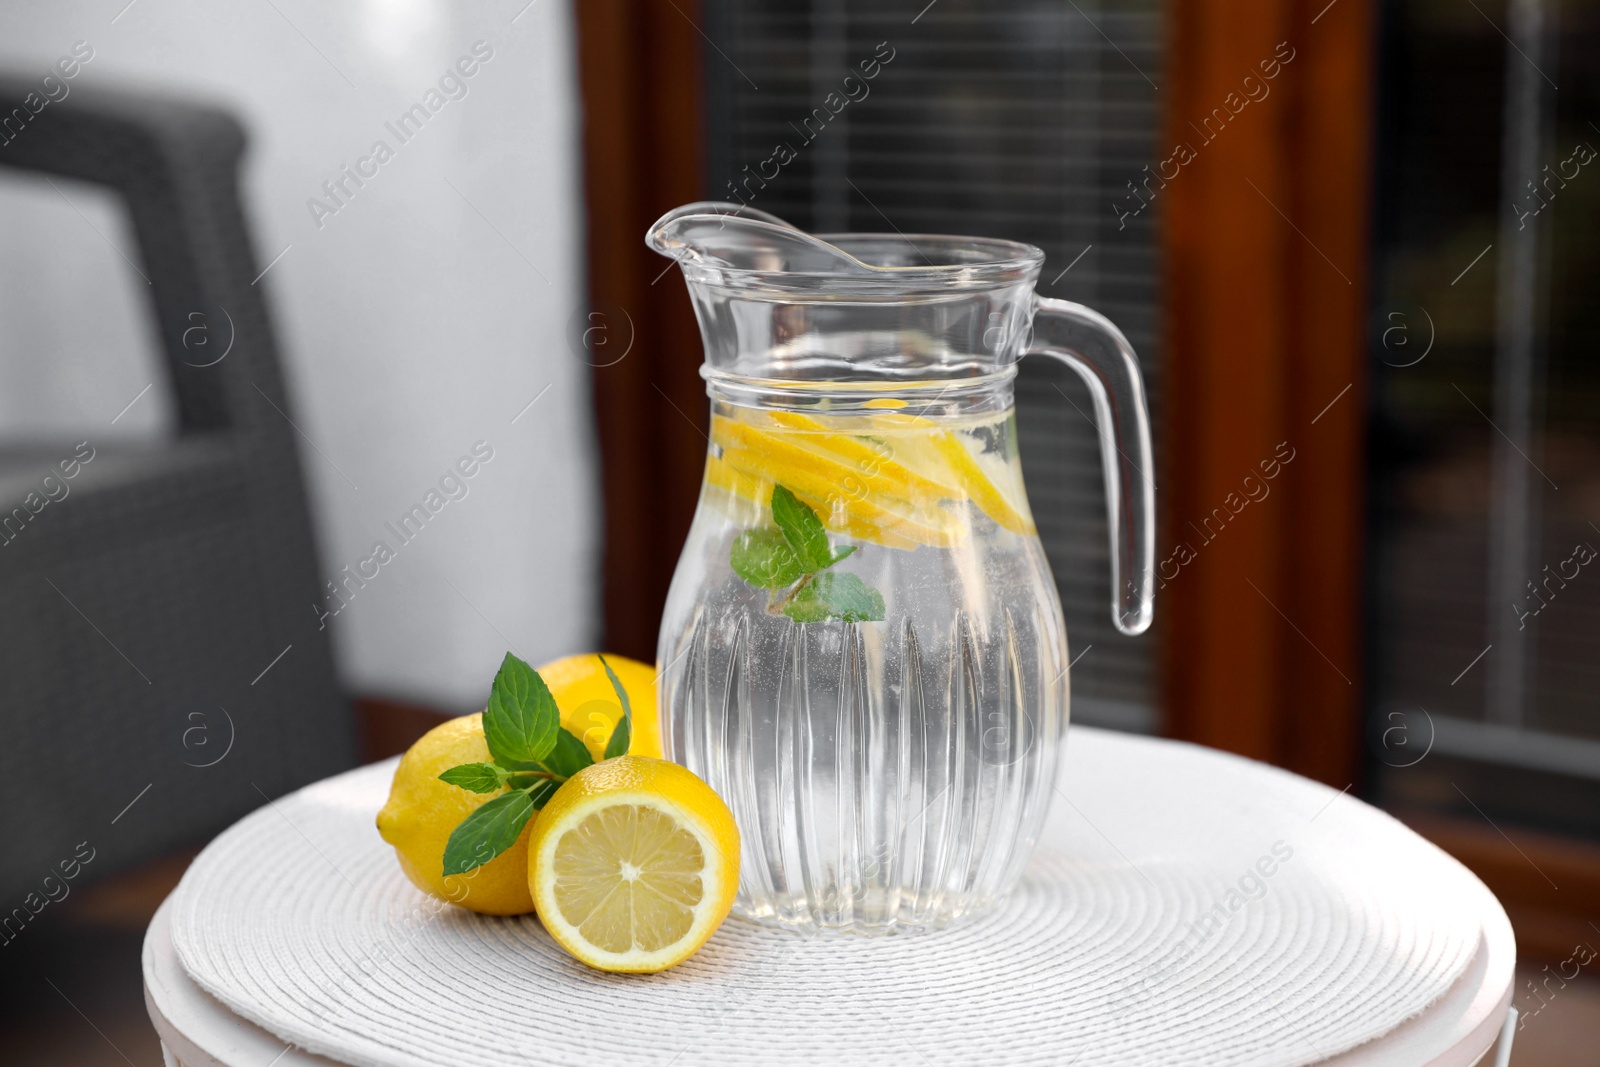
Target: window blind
<point>1021,120</point>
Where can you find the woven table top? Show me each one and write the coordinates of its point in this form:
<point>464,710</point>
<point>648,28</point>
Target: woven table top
<point>1184,907</point>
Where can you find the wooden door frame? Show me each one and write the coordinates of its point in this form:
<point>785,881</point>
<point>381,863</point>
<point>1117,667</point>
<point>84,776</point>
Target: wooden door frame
<point>641,82</point>
<point>1265,250</point>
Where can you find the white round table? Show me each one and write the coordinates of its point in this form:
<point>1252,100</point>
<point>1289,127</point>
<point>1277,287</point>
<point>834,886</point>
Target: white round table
<point>1185,906</point>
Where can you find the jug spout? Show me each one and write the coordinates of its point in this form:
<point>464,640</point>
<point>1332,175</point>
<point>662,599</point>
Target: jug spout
<point>775,302</point>
<point>715,234</point>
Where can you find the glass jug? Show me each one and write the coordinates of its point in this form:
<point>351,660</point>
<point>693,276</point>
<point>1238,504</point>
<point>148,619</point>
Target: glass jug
<point>862,651</point>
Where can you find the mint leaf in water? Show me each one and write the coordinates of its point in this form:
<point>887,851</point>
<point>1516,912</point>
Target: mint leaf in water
<point>835,596</point>
<point>568,756</point>
<point>521,720</point>
<point>797,554</point>
<point>477,777</point>
<point>622,733</point>
<point>803,530</point>
<point>764,559</point>
<point>487,832</point>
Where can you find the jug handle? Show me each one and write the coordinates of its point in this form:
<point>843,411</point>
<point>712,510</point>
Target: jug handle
<point>1091,344</point>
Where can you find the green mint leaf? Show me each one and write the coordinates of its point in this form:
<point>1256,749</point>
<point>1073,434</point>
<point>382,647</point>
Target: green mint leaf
<point>540,794</point>
<point>764,559</point>
<point>835,596</point>
<point>525,781</point>
<point>521,720</point>
<point>623,731</point>
<point>618,745</point>
<point>477,777</point>
<point>841,554</point>
<point>487,832</point>
<point>802,529</point>
<point>568,757</point>
<point>616,687</point>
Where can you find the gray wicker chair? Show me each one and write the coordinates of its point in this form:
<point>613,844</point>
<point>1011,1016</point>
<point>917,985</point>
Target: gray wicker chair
<point>140,612</point>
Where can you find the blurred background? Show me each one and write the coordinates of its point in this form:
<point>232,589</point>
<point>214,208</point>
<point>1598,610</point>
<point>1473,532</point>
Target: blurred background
<point>299,434</point>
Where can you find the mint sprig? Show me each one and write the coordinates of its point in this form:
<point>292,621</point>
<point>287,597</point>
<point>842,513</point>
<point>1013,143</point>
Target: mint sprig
<point>622,734</point>
<point>764,559</point>
<point>476,777</point>
<point>803,530</point>
<point>568,756</point>
<point>487,832</point>
<point>793,558</point>
<point>532,755</point>
<point>521,720</point>
<point>835,596</point>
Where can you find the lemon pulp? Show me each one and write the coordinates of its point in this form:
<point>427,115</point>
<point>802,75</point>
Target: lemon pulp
<point>629,877</point>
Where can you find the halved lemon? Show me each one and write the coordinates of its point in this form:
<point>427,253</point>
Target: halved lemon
<point>633,864</point>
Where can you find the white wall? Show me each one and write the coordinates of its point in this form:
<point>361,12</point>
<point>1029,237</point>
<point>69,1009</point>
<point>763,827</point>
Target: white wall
<point>418,320</point>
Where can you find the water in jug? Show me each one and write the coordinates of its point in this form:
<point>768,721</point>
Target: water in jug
<point>862,650</point>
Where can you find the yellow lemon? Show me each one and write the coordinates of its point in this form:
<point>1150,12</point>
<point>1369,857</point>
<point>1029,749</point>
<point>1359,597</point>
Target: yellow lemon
<point>589,707</point>
<point>634,863</point>
<point>422,812</point>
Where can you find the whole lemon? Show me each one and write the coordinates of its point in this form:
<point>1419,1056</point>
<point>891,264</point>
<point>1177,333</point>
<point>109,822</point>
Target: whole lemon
<point>589,707</point>
<point>422,812</point>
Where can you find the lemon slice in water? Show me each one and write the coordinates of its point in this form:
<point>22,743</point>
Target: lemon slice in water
<point>633,864</point>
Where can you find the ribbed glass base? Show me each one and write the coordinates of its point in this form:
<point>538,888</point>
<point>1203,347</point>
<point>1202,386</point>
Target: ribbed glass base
<point>883,914</point>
